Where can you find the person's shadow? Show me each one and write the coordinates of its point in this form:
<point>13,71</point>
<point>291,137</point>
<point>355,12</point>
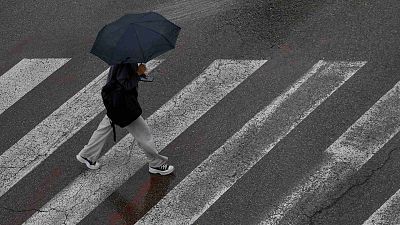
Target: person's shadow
<point>149,193</point>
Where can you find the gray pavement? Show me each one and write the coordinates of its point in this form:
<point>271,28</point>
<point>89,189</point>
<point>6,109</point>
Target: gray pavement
<point>291,35</point>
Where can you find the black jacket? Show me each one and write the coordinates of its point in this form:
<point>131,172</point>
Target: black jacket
<point>126,75</point>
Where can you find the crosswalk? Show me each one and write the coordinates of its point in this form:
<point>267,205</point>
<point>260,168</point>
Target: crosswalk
<point>52,132</point>
<point>203,186</point>
<point>245,148</point>
<point>344,157</point>
<point>167,123</point>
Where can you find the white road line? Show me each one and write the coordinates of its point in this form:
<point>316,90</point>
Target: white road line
<point>124,159</point>
<point>388,213</point>
<point>52,132</point>
<point>23,77</point>
<point>214,176</point>
<point>188,9</point>
<point>342,159</point>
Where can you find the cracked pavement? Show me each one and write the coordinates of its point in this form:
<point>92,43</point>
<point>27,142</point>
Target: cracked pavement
<point>348,187</point>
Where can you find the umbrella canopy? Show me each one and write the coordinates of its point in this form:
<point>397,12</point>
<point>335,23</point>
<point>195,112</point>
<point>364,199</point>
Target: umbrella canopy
<point>135,38</point>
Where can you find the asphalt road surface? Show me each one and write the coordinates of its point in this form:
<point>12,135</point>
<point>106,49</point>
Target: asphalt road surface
<point>272,112</point>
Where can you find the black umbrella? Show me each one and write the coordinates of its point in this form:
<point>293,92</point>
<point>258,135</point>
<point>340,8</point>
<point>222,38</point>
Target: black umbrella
<point>135,38</point>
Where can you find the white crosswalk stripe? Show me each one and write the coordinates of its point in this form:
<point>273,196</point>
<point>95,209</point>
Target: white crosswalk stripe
<point>52,132</point>
<point>200,189</point>
<point>212,178</point>
<point>343,158</point>
<point>23,77</point>
<point>122,161</point>
<point>388,213</point>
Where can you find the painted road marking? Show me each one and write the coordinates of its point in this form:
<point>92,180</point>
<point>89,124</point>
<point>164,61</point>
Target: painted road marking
<point>24,76</point>
<point>124,159</point>
<point>388,213</point>
<point>52,132</point>
<point>214,176</point>
<point>342,159</point>
<point>183,10</point>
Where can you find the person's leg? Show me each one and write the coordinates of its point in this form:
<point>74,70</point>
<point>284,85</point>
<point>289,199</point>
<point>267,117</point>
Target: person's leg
<point>92,150</point>
<point>142,134</point>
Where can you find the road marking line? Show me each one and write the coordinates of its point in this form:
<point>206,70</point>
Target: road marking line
<point>343,158</point>
<point>88,190</point>
<point>52,132</point>
<point>183,10</point>
<point>388,213</point>
<point>24,76</point>
<point>215,175</point>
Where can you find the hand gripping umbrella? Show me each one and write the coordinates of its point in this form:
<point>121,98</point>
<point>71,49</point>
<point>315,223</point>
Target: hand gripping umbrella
<point>135,38</point>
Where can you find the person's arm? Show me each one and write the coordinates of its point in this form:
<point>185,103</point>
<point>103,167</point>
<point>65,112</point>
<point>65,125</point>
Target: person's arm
<point>124,80</point>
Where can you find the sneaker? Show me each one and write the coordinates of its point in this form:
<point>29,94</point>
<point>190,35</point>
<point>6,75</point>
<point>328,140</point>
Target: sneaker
<point>163,170</point>
<point>89,164</point>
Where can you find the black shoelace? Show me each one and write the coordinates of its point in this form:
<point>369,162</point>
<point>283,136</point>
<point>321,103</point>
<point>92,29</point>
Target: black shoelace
<point>163,167</point>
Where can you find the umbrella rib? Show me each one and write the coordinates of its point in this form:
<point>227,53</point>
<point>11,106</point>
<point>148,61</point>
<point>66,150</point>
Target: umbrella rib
<point>140,46</point>
<point>158,33</point>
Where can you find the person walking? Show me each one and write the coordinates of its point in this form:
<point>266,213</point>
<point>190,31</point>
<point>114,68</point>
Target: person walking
<point>133,38</point>
<point>128,76</point>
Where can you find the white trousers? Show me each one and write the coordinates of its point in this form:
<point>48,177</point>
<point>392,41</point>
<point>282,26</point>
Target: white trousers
<point>138,129</point>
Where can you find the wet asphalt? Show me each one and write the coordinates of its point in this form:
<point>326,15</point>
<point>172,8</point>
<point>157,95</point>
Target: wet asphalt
<point>292,35</point>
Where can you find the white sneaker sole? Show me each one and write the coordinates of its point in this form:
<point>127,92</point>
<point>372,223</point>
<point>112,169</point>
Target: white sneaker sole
<point>154,171</point>
<point>93,167</point>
